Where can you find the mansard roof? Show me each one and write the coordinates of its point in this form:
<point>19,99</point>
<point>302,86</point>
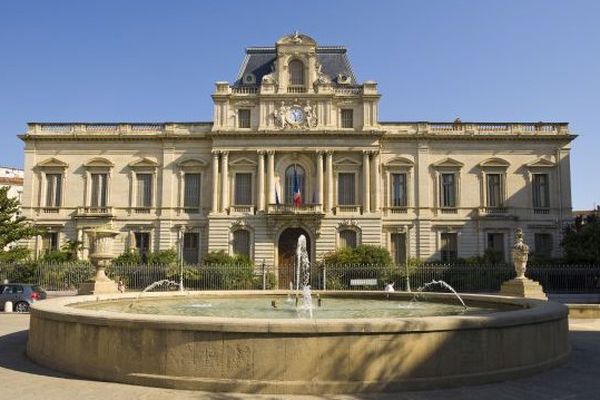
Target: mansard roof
<point>260,61</point>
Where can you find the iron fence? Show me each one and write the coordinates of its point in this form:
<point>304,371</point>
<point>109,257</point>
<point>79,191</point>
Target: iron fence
<point>566,278</point>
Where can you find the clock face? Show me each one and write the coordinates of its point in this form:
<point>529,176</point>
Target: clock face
<point>295,115</point>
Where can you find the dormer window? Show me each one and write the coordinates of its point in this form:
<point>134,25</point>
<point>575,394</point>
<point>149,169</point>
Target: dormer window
<point>296,69</point>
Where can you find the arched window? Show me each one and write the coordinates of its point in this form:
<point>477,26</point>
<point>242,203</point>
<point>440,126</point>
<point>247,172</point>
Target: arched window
<point>348,238</point>
<point>241,242</point>
<point>296,68</point>
<point>294,173</point>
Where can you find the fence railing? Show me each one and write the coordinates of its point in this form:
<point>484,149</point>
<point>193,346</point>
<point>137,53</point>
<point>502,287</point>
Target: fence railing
<point>566,278</point>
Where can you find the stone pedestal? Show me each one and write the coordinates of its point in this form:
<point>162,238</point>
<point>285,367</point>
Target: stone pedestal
<point>523,287</point>
<point>100,283</point>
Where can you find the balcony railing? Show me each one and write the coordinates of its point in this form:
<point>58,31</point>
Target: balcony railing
<point>296,89</point>
<point>244,90</point>
<point>348,209</point>
<point>50,210</point>
<point>293,209</point>
<point>449,210</point>
<point>94,211</point>
<point>541,211</point>
<point>490,211</point>
<point>241,209</point>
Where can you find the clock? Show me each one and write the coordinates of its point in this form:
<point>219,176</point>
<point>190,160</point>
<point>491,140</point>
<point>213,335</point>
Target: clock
<point>295,115</point>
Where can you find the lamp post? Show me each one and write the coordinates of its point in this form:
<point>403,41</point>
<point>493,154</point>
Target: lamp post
<point>181,244</point>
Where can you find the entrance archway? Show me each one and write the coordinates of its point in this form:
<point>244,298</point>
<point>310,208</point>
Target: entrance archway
<point>286,250</point>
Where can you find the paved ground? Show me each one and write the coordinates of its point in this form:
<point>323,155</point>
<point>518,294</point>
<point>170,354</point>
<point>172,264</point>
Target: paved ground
<point>21,379</point>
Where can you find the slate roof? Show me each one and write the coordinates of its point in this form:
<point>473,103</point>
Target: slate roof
<point>260,60</point>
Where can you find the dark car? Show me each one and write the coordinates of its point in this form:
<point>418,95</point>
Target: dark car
<point>22,295</point>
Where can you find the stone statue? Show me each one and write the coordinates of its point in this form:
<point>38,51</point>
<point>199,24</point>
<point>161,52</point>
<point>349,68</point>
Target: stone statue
<point>520,254</point>
<point>311,118</point>
<point>280,116</point>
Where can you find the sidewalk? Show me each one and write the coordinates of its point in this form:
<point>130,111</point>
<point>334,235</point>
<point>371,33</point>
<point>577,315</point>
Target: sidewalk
<point>21,379</point>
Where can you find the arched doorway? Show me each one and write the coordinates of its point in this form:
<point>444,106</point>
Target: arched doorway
<point>288,241</point>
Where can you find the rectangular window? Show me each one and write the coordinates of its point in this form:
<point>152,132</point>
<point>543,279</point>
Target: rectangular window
<point>142,243</point>
<point>347,116</point>
<point>448,190</point>
<point>495,243</point>
<point>99,192</point>
<point>243,189</point>
<point>541,192</point>
<point>348,238</point>
<point>494,190</point>
<point>543,245</point>
<point>191,195</point>
<point>399,248</point>
<point>53,190</point>
<point>241,242</point>
<point>144,190</point>
<point>191,242</point>
<point>399,190</point>
<point>49,242</point>
<point>243,118</point>
<point>449,246</point>
<point>346,189</point>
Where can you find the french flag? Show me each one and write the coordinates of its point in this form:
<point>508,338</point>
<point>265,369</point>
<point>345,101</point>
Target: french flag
<point>297,194</point>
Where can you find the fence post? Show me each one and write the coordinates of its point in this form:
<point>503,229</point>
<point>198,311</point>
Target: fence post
<point>264,275</point>
<point>324,277</point>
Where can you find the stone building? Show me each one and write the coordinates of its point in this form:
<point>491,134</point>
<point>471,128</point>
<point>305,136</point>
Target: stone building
<point>296,147</point>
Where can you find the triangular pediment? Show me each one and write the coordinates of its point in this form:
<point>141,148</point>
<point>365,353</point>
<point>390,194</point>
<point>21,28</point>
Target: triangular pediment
<point>541,163</point>
<point>52,163</point>
<point>346,161</point>
<point>494,162</point>
<point>399,162</point>
<point>242,161</point>
<point>447,163</point>
<point>144,162</point>
<point>99,162</point>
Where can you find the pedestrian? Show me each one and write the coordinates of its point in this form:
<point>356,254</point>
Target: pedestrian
<point>121,286</point>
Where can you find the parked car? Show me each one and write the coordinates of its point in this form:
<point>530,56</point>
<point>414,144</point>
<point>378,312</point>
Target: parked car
<point>22,295</point>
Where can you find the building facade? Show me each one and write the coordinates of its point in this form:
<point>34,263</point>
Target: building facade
<point>296,147</point>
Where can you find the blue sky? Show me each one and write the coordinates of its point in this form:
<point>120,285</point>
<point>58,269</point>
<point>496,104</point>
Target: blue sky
<point>433,60</point>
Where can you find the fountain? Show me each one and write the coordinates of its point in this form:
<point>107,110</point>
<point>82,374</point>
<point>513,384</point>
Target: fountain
<point>256,342</point>
<point>444,285</point>
<point>522,286</point>
<point>303,269</point>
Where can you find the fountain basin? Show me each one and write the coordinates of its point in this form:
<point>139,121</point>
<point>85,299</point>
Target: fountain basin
<point>300,356</point>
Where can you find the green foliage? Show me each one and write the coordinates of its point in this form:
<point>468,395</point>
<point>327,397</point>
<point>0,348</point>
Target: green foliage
<point>68,252</point>
<point>364,254</point>
<point>128,257</point>
<point>581,240</point>
<point>222,258</point>
<point>163,257</point>
<point>12,228</point>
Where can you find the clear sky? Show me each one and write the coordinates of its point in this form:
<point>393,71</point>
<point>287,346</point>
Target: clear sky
<point>434,60</point>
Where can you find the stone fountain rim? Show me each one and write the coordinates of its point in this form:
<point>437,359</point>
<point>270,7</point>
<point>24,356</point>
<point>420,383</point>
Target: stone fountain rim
<point>530,311</point>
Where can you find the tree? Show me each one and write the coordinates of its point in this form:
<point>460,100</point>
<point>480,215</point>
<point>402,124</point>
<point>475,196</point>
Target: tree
<point>364,254</point>
<point>13,227</point>
<point>581,240</point>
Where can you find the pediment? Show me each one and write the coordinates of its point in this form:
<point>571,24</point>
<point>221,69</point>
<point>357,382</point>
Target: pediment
<point>541,163</point>
<point>144,162</point>
<point>98,162</point>
<point>52,163</point>
<point>494,162</point>
<point>297,39</point>
<point>346,161</point>
<point>242,161</point>
<point>399,162</point>
<point>192,163</point>
<point>447,163</point>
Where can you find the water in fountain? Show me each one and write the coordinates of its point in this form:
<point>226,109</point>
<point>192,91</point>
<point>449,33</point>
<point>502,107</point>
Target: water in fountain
<point>155,285</point>
<point>303,267</point>
<point>290,296</point>
<point>444,285</point>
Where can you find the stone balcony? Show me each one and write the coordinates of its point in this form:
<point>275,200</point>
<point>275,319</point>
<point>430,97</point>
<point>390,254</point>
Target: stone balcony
<point>291,209</point>
<point>94,212</point>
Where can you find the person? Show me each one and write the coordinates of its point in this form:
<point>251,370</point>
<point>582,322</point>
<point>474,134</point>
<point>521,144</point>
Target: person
<point>389,287</point>
<point>121,286</point>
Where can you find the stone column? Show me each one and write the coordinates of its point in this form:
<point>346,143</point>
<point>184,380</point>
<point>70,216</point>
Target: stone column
<point>329,161</point>
<point>366,189</point>
<point>215,182</point>
<point>271,177</point>
<point>320,178</point>
<point>376,182</point>
<point>224,181</point>
<point>261,180</point>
